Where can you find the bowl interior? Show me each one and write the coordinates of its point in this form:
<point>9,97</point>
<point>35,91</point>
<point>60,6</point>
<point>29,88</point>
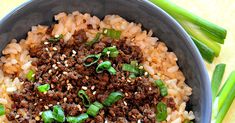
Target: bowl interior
<point>35,12</point>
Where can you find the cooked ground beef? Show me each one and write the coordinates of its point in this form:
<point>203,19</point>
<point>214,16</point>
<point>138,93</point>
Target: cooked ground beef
<point>60,64</point>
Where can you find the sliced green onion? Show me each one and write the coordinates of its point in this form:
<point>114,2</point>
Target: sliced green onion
<point>112,98</point>
<point>216,79</point>
<point>98,104</point>
<point>79,119</point>
<point>55,39</point>
<point>93,110</point>
<point>30,75</point>
<point>85,99</point>
<point>115,34</point>
<point>111,51</point>
<point>43,88</point>
<point>94,57</point>
<point>2,110</point>
<point>161,114</point>
<point>162,87</point>
<point>47,116</point>
<point>96,39</point>
<point>130,68</point>
<point>106,65</point>
<point>58,113</point>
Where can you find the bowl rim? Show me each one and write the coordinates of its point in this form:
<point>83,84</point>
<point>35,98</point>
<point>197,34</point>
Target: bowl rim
<point>207,111</point>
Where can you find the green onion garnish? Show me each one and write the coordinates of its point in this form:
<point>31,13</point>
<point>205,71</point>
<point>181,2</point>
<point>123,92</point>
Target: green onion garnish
<point>130,68</point>
<point>134,63</point>
<point>55,39</point>
<point>30,75</point>
<point>92,59</point>
<point>47,116</point>
<point>2,110</point>
<point>58,113</point>
<point>106,65</point>
<point>114,34</point>
<point>85,99</point>
<point>93,110</point>
<point>132,76</point>
<point>112,98</point>
<point>79,119</point>
<point>161,112</point>
<point>216,79</point>
<point>96,39</point>
<point>98,104</point>
<point>163,88</point>
<point>110,51</point>
<point>43,88</point>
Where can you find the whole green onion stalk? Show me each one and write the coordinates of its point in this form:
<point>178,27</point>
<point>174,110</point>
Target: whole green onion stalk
<point>206,35</point>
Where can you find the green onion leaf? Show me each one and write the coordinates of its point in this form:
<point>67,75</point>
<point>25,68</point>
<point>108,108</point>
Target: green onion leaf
<point>130,68</point>
<point>106,65</point>
<point>43,88</point>
<point>96,39</point>
<point>98,104</point>
<point>79,119</point>
<point>93,110</point>
<point>163,89</point>
<point>47,116</point>
<point>91,59</point>
<point>112,98</point>
<point>85,99</point>
<point>216,79</point>
<point>30,75</point>
<point>58,113</point>
<point>132,76</point>
<point>55,39</point>
<point>114,34</point>
<point>134,63</point>
<point>110,51</point>
<point>2,110</point>
<point>161,114</point>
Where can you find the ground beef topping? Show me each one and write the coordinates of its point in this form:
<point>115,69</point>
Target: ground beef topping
<point>61,65</point>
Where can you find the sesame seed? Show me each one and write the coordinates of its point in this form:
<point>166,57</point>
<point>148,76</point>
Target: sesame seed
<point>44,92</point>
<point>94,93</point>
<point>50,105</point>
<point>54,48</point>
<point>65,73</point>
<point>58,103</point>
<point>46,42</point>
<point>58,62</point>
<point>40,113</point>
<point>17,116</point>
<point>35,104</point>
<point>128,80</point>
<point>33,75</point>
<point>66,65</point>
<point>84,87</point>
<point>126,94</point>
<point>108,52</point>
<point>92,87</point>
<point>54,65</point>
<point>49,71</point>
<point>37,118</point>
<point>125,103</point>
<point>135,92</point>
<point>65,99</point>
<point>145,73</point>
<point>105,31</point>
<point>63,55</point>
<point>46,107</point>
<point>150,88</point>
<point>47,49</point>
<point>139,121</point>
<point>141,67</point>
<point>74,52</point>
<point>87,77</point>
<point>57,36</point>
<point>40,99</point>
<point>79,107</point>
<point>52,86</point>
<point>123,78</point>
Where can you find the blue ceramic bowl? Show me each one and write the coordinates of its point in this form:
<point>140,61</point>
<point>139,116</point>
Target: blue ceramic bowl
<point>17,23</point>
